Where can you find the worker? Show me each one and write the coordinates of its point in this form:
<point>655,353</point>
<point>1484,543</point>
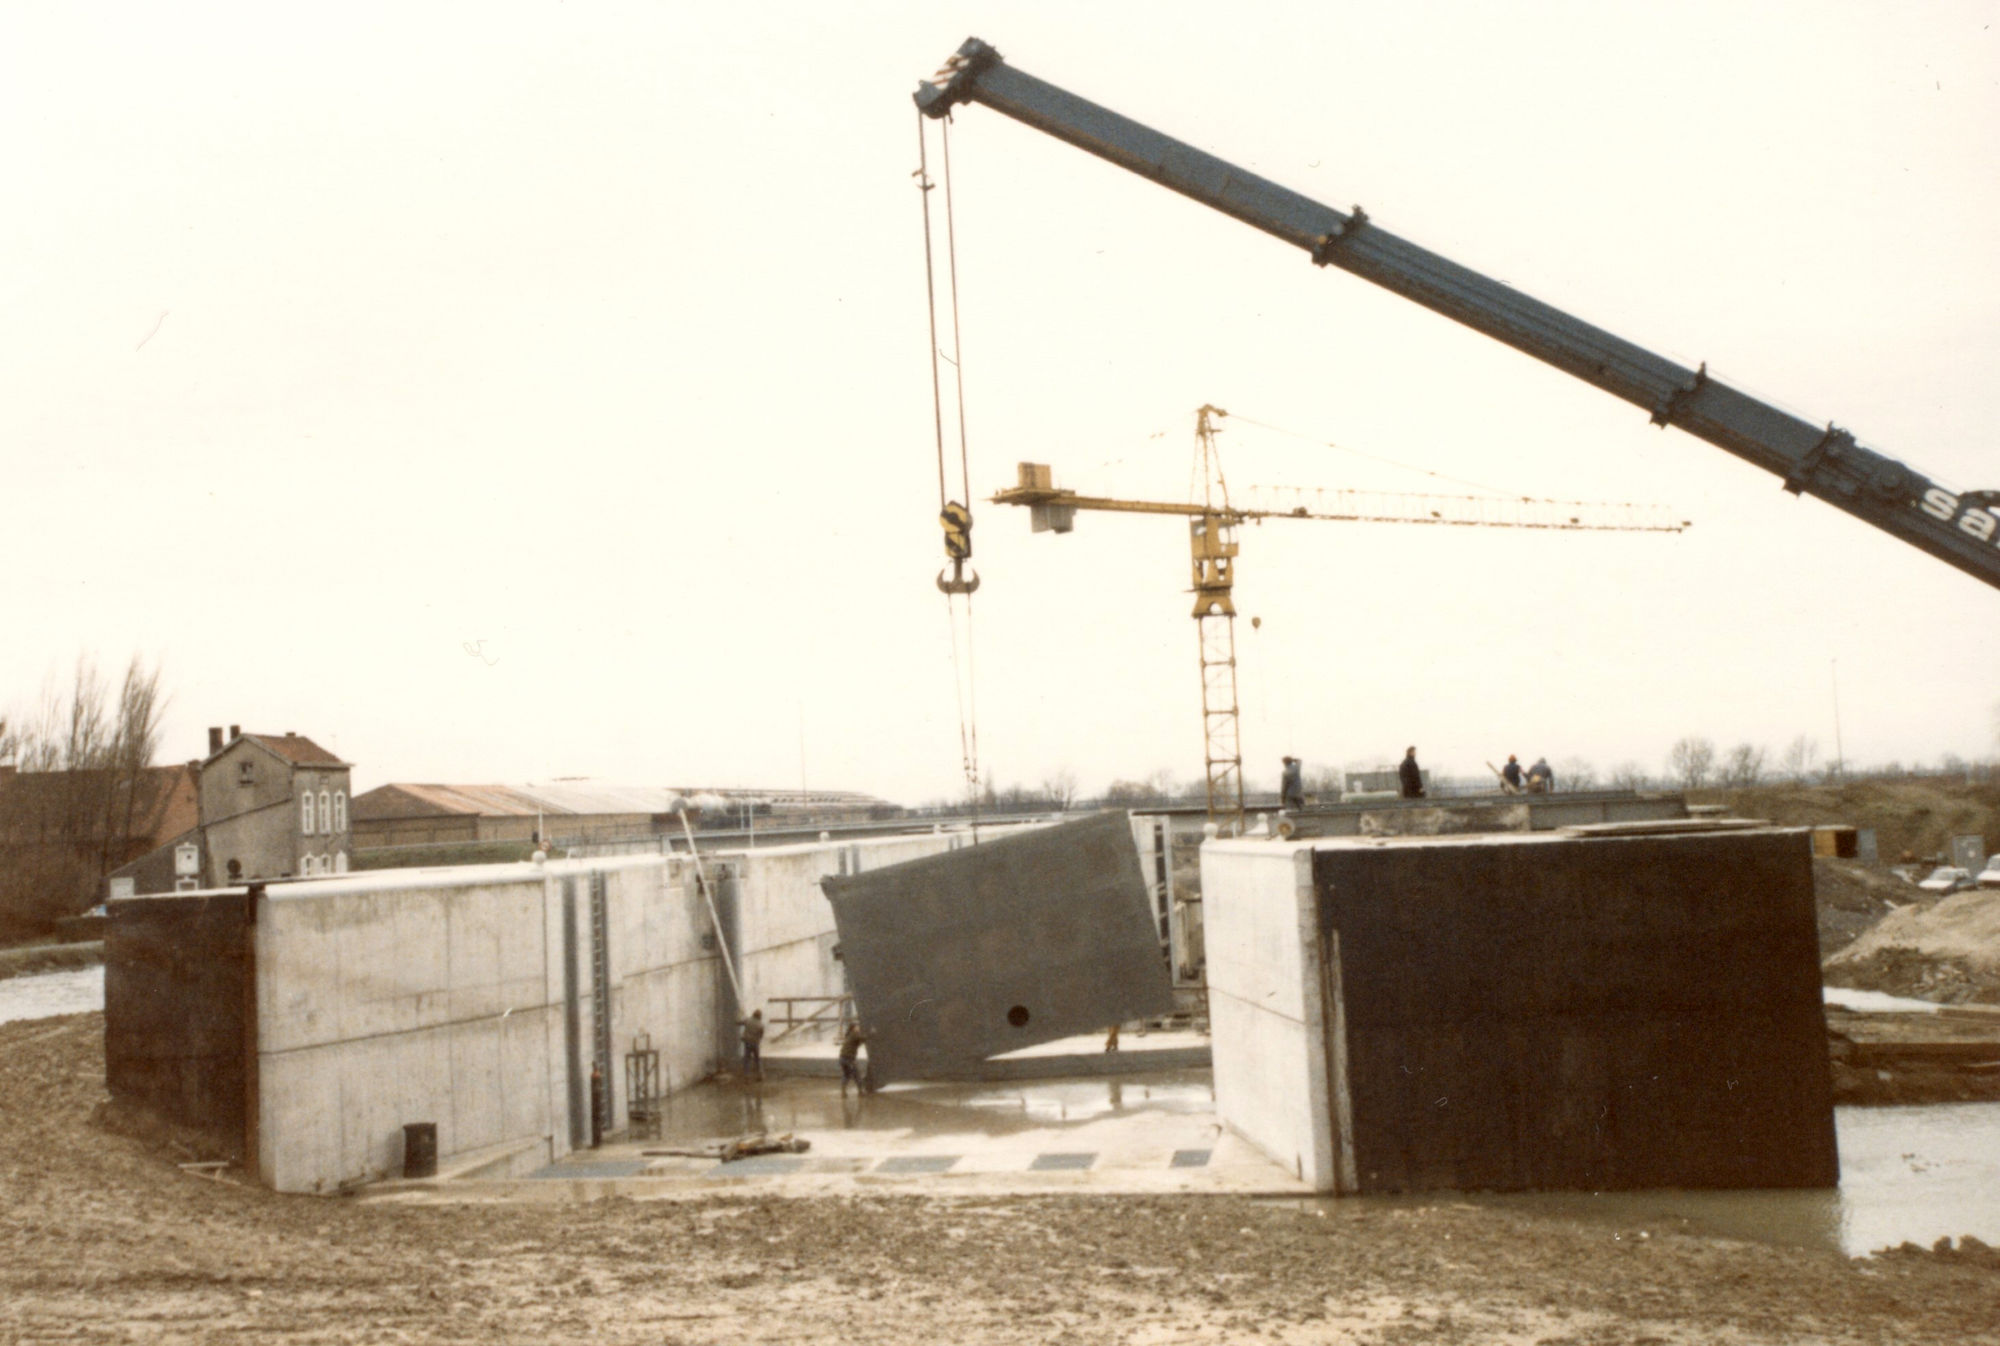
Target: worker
<point>1111,1038</point>
<point>1410,775</point>
<point>1510,775</point>
<point>1541,777</point>
<point>1292,789</point>
<point>850,1058</point>
<point>753,1044</point>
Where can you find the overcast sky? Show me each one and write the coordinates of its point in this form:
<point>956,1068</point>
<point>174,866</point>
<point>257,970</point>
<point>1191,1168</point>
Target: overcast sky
<point>508,391</point>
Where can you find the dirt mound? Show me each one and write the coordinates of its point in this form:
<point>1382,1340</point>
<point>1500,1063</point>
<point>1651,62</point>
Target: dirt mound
<point>1949,952</point>
<point>1851,898</point>
<point>1918,814</point>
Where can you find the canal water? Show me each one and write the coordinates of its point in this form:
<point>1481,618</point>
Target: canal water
<point>1913,1174</point>
<point>1907,1175</point>
<point>44,994</point>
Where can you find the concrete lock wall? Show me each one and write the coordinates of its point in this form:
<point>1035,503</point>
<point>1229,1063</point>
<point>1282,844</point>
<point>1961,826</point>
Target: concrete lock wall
<point>1526,1012</point>
<point>464,998</point>
<point>176,970</point>
<point>1265,1031</point>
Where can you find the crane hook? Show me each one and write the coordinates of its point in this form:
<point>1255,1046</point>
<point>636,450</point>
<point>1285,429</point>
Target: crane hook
<point>959,583</point>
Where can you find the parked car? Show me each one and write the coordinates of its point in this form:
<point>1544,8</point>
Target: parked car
<point>1946,879</point>
<point>1989,877</point>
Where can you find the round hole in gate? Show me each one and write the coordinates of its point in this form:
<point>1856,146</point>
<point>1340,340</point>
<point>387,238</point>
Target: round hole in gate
<point>1018,1016</point>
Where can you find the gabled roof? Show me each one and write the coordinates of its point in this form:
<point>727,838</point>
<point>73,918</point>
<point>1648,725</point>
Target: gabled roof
<point>571,796</point>
<point>432,801</point>
<point>293,748</point>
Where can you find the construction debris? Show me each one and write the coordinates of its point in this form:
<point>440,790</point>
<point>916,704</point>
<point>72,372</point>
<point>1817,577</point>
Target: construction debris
<point>743,1147</point>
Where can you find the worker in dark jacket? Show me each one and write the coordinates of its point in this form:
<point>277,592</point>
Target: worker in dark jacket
<point>850,1059</point>
<point>1510,775</point>
<point>1411,775</point>
<point>1292,788</point>
<point>1541,777</point>
<point>753,1045</point>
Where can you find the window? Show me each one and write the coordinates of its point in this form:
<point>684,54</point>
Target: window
<point>325,811</point>
<point>306,861</point>
<point>340,810</point>
<point>340,861</point>
<point>306,812</point>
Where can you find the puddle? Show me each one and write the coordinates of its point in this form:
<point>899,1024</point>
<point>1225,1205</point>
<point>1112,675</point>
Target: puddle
<point>927,1111</point>
<point>43,995</point>
<point>1911,1174</point>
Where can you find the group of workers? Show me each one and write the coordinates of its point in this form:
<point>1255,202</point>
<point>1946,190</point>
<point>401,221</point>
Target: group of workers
<point>851,1043</point>
<point>1537,779</point>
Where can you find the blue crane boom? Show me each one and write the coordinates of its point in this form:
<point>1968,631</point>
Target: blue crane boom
<point>1961,528</point>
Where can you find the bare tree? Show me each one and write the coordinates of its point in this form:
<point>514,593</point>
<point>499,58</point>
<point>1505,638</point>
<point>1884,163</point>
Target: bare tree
<point>1744,766</point>
<point>1629,776</point>
<point>69,812</point>
<point>1690,761</point>
<point>1576,773</point>
<point>1798,759</point>
<point>1059,788</point>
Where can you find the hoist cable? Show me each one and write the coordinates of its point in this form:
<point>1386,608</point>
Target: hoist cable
<point>930,299</point>
<point>969,721</point>
<point>964,670</point>
<point>957,346</point>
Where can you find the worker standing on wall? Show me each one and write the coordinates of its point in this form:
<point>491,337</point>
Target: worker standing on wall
<point>753,1045</point>
<point>1292,790</point>
<point>1510,775</point>
<point>1541,777</point>
<point>1410,775</point>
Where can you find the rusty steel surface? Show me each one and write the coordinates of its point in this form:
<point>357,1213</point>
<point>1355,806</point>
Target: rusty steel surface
<point>1022,940</point>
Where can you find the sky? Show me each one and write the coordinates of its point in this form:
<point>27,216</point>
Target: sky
<point>501,392</point>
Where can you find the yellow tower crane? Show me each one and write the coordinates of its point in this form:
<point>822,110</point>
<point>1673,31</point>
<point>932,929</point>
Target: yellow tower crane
<point>1212,524</point>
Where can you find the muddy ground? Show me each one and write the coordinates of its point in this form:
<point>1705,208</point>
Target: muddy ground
<point>103,1237</point>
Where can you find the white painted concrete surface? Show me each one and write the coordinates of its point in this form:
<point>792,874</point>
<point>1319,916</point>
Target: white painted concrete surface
<point>1265,1005</point>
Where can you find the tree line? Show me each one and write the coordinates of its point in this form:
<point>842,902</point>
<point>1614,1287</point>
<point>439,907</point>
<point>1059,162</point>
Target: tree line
<point>74,792</point>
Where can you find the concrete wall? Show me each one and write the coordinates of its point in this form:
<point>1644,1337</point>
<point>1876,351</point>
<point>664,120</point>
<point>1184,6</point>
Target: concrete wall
<point>176,970</point>
<point>463,998</point>
<point>1534,1012</point>
<point>1264,1005</point>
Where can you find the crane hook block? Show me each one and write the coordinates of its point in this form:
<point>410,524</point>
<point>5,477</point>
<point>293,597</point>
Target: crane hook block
<point>957,521</point>
<point>960,582</point>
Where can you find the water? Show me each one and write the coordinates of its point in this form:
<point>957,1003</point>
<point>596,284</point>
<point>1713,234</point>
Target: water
<point>1913,1174</point>
<point>46,994</point>
<point>930,1111</point>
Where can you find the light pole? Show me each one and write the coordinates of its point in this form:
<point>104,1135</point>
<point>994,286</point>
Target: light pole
<point>1839,753</point>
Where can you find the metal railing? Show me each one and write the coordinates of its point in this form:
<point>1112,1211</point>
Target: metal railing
<point>830,1011</point>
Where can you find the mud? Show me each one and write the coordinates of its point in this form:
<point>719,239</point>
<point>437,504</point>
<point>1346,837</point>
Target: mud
<point>104,1237</point>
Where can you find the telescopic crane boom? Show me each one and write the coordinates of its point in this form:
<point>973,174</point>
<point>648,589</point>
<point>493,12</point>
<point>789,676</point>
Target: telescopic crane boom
<point>1961,528</point>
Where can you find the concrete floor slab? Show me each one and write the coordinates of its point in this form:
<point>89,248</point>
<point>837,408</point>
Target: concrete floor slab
<point>1129,1135</point>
